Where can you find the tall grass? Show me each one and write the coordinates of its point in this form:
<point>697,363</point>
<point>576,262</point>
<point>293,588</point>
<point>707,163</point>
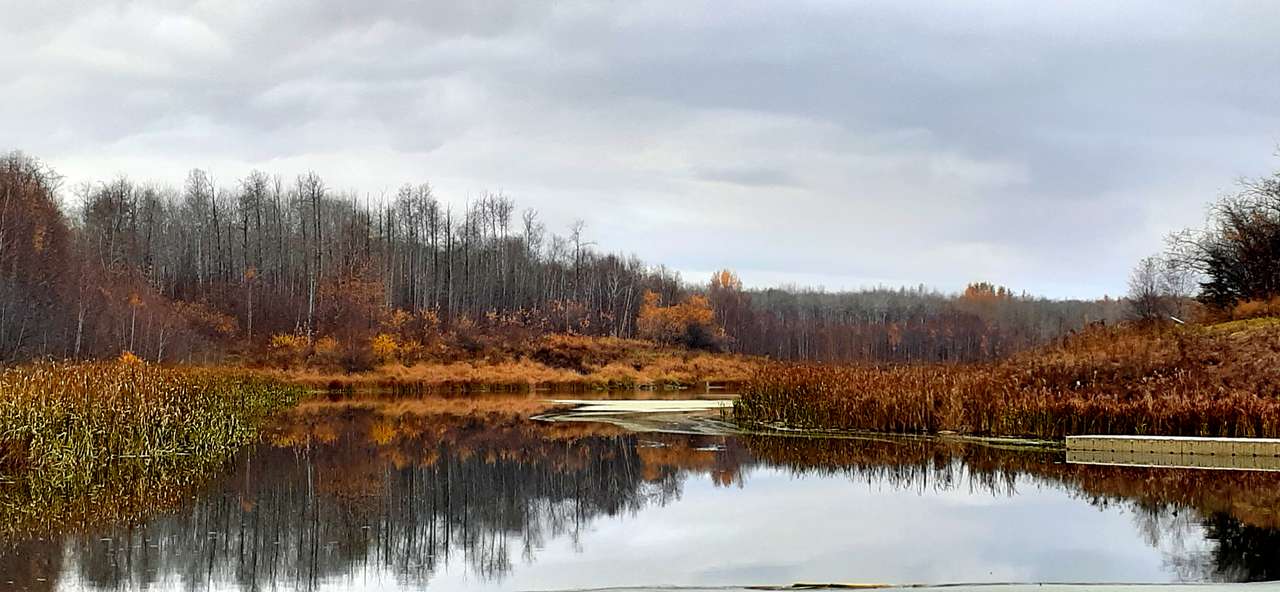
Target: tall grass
<point>65,427</point>
<point>1130,380</point>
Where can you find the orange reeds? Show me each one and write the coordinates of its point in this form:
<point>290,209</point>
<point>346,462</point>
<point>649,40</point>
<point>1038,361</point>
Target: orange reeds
<point>1194,381</point>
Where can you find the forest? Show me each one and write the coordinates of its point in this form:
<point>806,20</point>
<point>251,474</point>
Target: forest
<point>213,272</point>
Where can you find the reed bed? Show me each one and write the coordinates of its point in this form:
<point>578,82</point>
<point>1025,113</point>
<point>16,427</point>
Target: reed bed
<point>64,426</point>
<point>1127,380</point>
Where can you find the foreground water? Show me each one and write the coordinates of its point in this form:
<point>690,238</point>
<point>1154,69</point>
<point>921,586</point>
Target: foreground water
<point>413,494</point>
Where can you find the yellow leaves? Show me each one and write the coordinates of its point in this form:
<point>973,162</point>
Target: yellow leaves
<point>286,341</point>
<point>297,345</point>
<point>287,349</point>
<point>385,347</point>
<point>382,433</point>
<point>128,357</point>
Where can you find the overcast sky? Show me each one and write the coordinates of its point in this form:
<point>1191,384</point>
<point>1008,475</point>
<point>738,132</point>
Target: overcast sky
<point>1041,145</point>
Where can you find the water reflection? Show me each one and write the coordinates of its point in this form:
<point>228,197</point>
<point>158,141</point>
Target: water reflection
<point>378,496</point>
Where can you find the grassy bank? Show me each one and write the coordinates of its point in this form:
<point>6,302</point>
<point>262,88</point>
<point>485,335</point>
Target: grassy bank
<point>73,430</point>
<point>1221,380</point>
<point>557,361</point>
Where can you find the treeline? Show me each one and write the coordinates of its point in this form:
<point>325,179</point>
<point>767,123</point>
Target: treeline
<point>312,258</point>
<point>167,273</point>
<point>211,269</point>
<point>902,325</point>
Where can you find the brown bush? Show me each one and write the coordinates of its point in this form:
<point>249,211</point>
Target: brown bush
<point>1252,309</point>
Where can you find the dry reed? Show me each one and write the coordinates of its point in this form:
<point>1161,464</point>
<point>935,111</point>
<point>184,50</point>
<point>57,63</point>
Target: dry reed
<point>63,425</point>
<point>1216,381</point>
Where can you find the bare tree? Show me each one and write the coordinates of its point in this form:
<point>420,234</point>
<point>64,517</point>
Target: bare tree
<point>1147,300</point>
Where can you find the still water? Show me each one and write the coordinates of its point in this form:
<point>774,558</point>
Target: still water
<point>398,495</point>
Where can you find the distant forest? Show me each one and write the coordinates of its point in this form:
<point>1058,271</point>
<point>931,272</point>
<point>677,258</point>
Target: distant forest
<point>212,272</point>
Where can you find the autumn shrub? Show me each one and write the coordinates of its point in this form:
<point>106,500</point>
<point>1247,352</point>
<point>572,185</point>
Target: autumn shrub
<point>1252,309</point>
<point>410,351</point>
<point>326,351</point>
<point>288,349</point>
<point>128,357</point>
<point>385,348</point>
<point>690,323</point>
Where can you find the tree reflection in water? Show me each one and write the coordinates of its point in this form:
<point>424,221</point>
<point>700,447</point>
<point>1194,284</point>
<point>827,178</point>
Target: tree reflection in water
<point>335,492</point>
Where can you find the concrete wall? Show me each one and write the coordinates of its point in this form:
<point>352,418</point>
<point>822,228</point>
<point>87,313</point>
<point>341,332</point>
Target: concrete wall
<point>1177,445</point>
<point>1184,461</point>
<point>1257,454</point>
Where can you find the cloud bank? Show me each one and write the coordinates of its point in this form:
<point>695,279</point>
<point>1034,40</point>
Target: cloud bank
<point>1041,146</point>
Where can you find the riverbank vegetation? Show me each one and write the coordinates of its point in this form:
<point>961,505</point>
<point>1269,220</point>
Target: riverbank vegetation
<point>555,361</point>
<point>1218,376</point>
<point>1219,380</point>
<point>69,431</point>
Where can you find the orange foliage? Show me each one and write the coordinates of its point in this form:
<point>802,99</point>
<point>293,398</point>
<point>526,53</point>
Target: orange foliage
<point>986,292</point>
<point>725,280</point>
<point>690,323</point>
<point>128,357</point>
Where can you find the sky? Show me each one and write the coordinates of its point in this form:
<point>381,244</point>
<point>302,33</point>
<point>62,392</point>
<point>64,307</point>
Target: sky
<point>1046,146</point>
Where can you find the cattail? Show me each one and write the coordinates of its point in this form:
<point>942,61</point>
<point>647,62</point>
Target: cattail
<point>65,428</point>
<point>1119,381</point>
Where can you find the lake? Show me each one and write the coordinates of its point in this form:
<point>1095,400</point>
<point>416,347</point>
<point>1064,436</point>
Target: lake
<point>452,494</point>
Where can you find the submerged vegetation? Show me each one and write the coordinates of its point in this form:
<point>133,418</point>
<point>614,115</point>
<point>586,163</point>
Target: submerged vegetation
<point>70,431</point>
<point>1192,381</point>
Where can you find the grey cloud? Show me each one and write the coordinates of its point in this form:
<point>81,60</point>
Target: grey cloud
<point>878,139</point>
<point>761,176</point>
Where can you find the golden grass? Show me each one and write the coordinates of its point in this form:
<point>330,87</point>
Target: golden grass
<point>1215,381</point>
<point>552,361</point>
